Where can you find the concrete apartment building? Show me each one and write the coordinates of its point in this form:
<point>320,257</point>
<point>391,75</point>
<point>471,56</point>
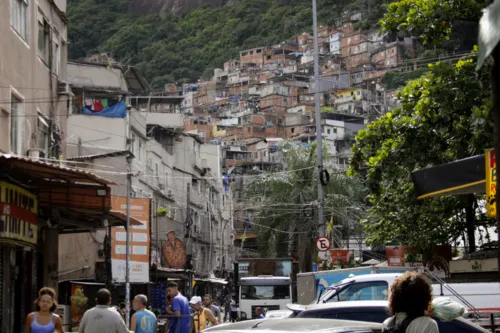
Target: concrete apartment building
<point>33,53</point>
<point>181,175</point>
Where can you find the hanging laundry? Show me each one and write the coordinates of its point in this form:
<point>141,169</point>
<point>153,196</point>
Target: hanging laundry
<point>97,105</point>
<point>79,100</point>
<point>88,103</point>
<point>104,102</point>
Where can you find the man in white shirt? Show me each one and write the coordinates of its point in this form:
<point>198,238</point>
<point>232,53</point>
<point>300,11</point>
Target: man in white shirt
<point>102,318</point>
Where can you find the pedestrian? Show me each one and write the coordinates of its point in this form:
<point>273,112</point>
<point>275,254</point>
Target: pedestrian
<point>258,313</point>
<point>410,301</point>
<point>102,318</point>
<point>143,320</point>
<point>179,311</point>
<point>203,317</point>
<point>122,310</point>
<point>44,320</point>
<point>234,311</point>
<point>209,303</point>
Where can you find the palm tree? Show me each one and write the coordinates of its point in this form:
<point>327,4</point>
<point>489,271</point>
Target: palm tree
<point>285,218</point>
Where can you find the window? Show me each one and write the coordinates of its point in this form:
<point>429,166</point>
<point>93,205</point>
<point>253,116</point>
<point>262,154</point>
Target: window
<point>19,17</point>
<point>251,52</point>
<point>335,130</point>
<point>43,38</point>
<point>265,292</point>
<point>292,130</point>
<point>132,144</point>
<point>244,54</point>
<point>56,58</point>
<point>16,124</point>
<point>328,131</point>
<point>259,51</point>
<point>166,179</point>
<point>363,291</point>
<point>372,315</point>
<point>42,137</point>
<point>139,153</point>
<point>358,93</point>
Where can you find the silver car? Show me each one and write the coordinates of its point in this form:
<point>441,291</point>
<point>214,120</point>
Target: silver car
<point>297,325</point>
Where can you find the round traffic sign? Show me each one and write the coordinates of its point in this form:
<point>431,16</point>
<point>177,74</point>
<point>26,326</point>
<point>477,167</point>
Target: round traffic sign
<point>323,244</point>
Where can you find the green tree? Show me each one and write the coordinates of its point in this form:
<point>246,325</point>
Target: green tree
<point>285,205</point>
<point>431,20</point>
<point>443,116</point>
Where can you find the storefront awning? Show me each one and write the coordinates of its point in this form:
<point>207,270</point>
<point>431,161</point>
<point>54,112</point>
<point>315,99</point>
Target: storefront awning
<point>75,199</point>
<point>464,176</point>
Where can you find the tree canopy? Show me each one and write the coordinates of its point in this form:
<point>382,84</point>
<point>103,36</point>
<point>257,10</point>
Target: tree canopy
<point>286,214</point>
<point>443,116</point>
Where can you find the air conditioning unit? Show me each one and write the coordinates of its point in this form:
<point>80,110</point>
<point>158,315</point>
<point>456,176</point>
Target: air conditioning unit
<point>63,88</point>
<point>169,193</point>
<point>161,186</point>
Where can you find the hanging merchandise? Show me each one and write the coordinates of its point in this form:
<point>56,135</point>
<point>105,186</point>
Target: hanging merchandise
<point>88,103</point>
<point>97,105</point>
<point>104,103</point>
<point>118,110</point>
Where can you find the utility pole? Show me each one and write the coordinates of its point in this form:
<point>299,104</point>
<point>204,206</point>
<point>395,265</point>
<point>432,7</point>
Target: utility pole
<point>127,251</point>
<point>319,136</point>
<point>127,233</point>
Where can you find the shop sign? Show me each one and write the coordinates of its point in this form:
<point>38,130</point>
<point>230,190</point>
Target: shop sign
<point>139,241</point>
<point>340,256</point>
<point>18,215</point>
<point>396,255</point>
<point>491,182</point>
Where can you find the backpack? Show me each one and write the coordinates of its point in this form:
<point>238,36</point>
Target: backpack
<point>401,328</point>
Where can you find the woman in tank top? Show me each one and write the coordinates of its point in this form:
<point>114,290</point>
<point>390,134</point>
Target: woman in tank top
<point>43,320</point>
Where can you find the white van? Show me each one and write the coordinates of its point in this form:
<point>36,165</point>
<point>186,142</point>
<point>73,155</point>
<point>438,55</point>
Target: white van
<point>377,287</point>
<point>265,292</point>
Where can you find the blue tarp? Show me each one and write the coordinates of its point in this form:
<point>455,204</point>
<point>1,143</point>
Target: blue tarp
<point>119,110</point>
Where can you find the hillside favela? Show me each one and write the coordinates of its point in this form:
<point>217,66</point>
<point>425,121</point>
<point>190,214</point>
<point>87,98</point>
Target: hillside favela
<point>264,166</point>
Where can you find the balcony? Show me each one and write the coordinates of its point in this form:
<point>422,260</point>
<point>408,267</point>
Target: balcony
<point>346,99</point>
<point>165,120</point>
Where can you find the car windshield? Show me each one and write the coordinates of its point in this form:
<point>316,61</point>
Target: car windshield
<point>265,292</point>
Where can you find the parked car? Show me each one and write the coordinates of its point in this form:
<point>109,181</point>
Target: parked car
<point>297,325</point>
<point>377,311</point>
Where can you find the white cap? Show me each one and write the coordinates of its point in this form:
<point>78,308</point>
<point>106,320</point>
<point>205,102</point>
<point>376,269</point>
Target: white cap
<point>195,300</point>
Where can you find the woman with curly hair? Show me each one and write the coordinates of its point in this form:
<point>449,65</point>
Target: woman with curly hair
<point>43,320</point>
<point>410,301</point>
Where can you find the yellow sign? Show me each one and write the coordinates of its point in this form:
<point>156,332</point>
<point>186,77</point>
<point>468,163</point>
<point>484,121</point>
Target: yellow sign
<point>18,215</point>
<point>491,182</point>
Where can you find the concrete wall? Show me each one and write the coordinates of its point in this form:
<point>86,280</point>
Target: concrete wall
<point>24,74</point>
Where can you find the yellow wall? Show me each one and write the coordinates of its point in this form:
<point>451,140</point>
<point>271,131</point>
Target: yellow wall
<point>216,133</point>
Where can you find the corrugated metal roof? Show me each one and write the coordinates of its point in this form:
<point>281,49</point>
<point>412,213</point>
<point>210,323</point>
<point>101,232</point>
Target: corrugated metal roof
<point>66,173</point>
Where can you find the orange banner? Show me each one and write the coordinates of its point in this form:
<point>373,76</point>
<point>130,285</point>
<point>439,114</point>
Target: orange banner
<point>340,256</point>
<point>139,241</point>
<point>396,255</point>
